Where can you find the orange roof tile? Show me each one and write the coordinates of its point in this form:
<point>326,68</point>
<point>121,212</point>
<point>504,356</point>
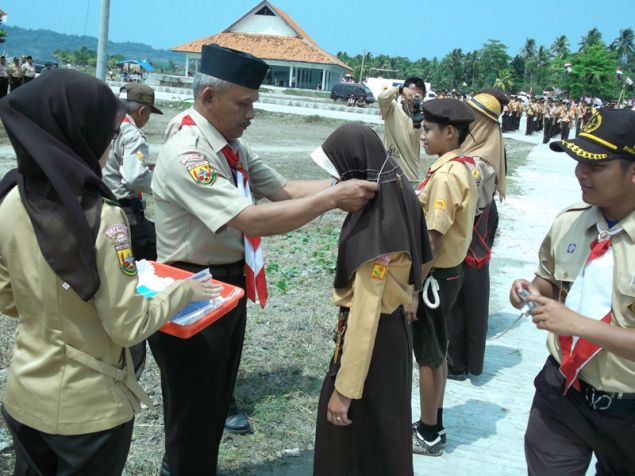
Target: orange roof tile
<point>272,47</point>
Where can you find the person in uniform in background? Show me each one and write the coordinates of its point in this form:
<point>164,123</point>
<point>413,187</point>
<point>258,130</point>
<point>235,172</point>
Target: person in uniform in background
<point>401,135</point>
<point>28,70</point>
<point>448,197</point>
<point>364,414</point>
<point>584,297</point>
<point>541,113</point>
<point>518,112</point>
<point>15,74</point>
<point>532,117</point>
<point>68,274</point>
<point>205,218</point>
<point>548,121</point>
<point>470,314</point>
<point>128,174</point>
<point>4,77</point>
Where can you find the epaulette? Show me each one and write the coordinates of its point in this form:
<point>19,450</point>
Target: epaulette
<point>576,207</point>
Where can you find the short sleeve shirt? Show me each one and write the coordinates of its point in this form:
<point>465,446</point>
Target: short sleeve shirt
<point>562,254</point>
<point>195,195</point>
<point>449,204</point>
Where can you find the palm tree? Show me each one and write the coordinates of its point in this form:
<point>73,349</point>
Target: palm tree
<point>542,61</point>
<point>560,46</point>
<point>591,38</point>
<point>623,44</point>
<point>504,80</point>
<point>529,50</point>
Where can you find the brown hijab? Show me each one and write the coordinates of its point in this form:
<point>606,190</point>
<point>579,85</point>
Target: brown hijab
<point>59,125</point>
<point>392,221</point>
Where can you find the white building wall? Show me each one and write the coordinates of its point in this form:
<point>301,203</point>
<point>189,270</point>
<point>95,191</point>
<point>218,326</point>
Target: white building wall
<point>263,25</point>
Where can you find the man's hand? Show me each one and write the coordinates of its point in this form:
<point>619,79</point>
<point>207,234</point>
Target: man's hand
<point>337,409</point>
<point>555,317</point>
<point>353,195</point>
<point>517,287</point>
<point>411,309</point>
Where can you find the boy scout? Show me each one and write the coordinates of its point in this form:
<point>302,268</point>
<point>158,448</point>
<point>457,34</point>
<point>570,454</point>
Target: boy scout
<point>400,133</point>
<point>448,197</point>
<point>585,298</point>
<point>206,218</point>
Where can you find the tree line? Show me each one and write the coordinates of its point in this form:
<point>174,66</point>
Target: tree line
<point>588,70</point>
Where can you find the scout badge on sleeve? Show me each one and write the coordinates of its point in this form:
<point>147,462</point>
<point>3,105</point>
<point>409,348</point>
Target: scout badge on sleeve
<point>199,168</point>
<point>119,234</point>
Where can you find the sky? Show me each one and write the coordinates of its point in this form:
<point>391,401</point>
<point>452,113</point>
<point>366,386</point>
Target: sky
<point>412,29</point>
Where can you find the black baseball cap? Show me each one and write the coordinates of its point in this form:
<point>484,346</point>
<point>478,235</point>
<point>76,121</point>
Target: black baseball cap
<point>609,135</point>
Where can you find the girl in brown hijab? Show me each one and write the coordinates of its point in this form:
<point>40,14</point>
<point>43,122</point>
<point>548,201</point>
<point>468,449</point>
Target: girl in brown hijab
<point>68,274</point>
<point>364,417</point>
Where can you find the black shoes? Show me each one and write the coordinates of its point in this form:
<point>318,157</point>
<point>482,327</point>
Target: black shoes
<point>458,376</point>
<point>238,424</point>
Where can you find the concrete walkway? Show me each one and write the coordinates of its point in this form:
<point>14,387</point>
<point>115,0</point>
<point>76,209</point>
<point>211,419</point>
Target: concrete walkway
<point>486,416</point>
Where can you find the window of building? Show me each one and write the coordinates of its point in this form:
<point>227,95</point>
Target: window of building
<point>266,11</point>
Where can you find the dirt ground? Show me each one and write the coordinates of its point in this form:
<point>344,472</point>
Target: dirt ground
<point>287,346</point>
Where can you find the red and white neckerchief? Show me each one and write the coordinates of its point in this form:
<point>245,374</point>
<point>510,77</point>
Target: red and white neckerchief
<point>256,282</point>
<point>590,295</point>
<point>430,173</point>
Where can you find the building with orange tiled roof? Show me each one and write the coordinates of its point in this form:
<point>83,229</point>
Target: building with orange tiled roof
<point>294,58</point>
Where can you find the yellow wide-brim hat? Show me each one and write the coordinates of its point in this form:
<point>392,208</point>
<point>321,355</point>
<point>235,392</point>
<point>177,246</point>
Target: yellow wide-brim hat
<point>487,104</point>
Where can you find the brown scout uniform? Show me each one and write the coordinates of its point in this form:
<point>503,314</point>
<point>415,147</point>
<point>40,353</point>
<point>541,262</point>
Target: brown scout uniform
<point>71,372</point>
<point>400,134</point>
<point>372,366</point>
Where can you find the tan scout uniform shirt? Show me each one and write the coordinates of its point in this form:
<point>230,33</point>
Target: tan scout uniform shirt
<point>368,297</point>
<point>449,204</point>
<point>562,254</point>
<point>70,372</point>
<point>126,171</point>
<point>400,133</point>
<point>195,195</point>
<point>175,124</point>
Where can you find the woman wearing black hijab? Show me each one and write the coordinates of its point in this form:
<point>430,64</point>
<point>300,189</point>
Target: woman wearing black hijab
<point>364,416</point>
<point>68,274</point>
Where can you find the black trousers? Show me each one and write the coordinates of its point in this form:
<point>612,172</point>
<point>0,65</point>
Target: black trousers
<point>15,83</point>
<point>564,130</point>
<point>547,130</point>
<point>563,432</point>
<point>37,453</point>
<point>470,314</point>
<point>379,441</point>
<point>197,380</point>
<point>4,87</point>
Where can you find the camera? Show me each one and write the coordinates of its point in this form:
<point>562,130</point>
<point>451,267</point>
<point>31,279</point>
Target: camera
<point>417,115</point>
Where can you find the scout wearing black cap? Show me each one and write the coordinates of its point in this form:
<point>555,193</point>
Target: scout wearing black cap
<point>447,111</point>
<point>609,135</point>
<point>234,66</point>
<point>140,93</point>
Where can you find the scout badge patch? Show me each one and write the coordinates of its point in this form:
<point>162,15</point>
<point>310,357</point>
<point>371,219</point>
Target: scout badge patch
<point>140,156</point>
<point>379,271</point>
<point>126,259</point>
<point>439,203</point>
<point>202,172</point>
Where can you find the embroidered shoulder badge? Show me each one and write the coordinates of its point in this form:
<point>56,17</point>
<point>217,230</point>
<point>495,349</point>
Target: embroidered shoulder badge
<point>140,156</point>
<point>199,168</point>
<point>126,259</point>
<point>439,203</point>
<point>379,271</point>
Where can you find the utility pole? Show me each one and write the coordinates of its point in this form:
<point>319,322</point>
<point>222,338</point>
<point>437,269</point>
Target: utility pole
<point>361,71</point>
<point>102,43</point>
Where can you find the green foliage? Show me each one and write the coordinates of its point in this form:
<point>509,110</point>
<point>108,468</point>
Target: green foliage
<point>593,72</point>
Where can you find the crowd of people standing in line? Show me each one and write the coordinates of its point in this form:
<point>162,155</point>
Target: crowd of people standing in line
<point>16,73</point>
<point>411,277</point>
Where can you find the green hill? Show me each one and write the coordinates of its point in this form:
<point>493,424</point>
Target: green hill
<point>41,43</point>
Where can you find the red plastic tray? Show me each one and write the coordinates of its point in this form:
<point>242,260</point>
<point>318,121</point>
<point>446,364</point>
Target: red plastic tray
<point>187,331</point>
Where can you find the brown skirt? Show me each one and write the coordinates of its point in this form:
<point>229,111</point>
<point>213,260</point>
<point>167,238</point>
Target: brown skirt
<point>379,441</point>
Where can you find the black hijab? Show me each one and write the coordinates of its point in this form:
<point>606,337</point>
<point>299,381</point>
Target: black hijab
<point>392,221</point>
<point>59,125</point>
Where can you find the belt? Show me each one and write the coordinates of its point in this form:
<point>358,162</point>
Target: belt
<point>599,399</point>
<point>219,271</point>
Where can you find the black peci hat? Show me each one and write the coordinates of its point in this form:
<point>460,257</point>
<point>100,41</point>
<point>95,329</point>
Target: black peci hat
<point>447,111</point>
<point>233,66</point>
<point>609,135</point>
